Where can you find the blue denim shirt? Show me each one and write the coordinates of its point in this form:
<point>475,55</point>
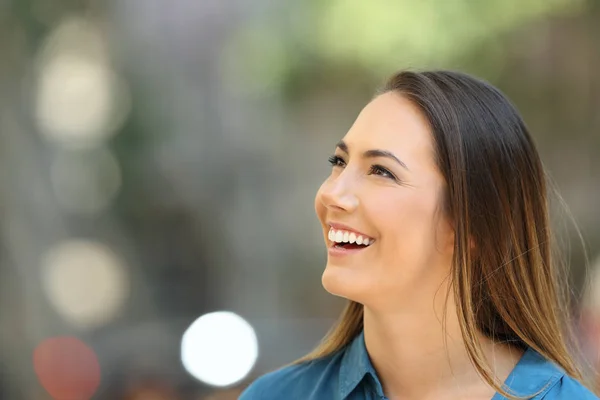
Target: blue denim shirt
<point>349,375</point>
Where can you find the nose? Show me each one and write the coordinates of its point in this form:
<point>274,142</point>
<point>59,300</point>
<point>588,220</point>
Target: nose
<point>338,195</point>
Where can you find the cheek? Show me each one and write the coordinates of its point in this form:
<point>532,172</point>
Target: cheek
<point>407,224</point>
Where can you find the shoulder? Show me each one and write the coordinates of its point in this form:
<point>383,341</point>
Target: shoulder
<point>567,388</point>
<point>273,384</point>
<point>308,380</point>
<point>535,374</point>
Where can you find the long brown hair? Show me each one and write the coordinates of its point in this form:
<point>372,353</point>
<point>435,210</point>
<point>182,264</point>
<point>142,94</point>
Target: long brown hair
<point>507,285</point>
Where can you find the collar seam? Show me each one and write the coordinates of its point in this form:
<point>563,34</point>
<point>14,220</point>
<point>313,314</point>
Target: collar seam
<point>551,382</point>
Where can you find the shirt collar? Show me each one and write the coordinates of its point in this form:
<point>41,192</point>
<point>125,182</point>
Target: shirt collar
<point>355,366</point>
<point>532,374</point>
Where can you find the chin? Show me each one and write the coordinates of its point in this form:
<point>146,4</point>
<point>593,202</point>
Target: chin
<point>344,282</point>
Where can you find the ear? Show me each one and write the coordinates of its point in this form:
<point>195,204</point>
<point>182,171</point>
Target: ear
<point>451,237</point>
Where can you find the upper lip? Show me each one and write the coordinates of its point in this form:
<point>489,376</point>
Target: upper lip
<point>342,227</point>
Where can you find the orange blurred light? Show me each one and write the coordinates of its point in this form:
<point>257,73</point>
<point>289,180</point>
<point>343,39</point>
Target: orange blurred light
<point>67,368</point>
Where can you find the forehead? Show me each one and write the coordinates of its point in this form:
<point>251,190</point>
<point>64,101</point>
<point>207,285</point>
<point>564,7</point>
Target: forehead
<point>391,122</point>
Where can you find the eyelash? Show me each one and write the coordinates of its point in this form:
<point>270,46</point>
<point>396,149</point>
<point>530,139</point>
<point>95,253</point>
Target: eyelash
<point>337,161</point>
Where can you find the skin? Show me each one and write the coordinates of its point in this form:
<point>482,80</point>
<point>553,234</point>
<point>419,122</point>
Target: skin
<point>402,278</point>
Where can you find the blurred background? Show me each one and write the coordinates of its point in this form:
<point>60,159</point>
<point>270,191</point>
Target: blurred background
<point>159,160</point>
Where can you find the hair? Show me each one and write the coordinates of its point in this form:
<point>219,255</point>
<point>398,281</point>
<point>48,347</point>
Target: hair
<point>504,278</point>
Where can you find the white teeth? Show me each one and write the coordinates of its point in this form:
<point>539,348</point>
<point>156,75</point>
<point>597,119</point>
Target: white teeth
<point>352,237</point>
<point>340,236</point>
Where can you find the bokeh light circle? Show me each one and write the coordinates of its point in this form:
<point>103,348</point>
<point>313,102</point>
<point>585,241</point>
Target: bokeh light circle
<point>85,281</point>
<point>80,99</point>
<point>85,181</point>
<point>219,348</point>
<point>67,368</point>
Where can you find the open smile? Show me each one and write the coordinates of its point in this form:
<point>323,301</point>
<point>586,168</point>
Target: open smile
<point>345,242</point>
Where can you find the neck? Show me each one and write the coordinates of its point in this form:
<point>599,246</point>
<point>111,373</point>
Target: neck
<point>415,359</point>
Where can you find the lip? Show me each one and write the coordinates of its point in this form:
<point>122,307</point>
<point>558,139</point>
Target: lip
<point>340,251</point>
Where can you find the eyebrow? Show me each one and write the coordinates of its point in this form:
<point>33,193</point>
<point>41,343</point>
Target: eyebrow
<point>373,153</point>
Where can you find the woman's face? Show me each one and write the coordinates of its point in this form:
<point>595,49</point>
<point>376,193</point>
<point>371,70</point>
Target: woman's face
<point>385,189</point>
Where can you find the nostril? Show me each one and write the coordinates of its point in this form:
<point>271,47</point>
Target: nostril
<point>339,201</point>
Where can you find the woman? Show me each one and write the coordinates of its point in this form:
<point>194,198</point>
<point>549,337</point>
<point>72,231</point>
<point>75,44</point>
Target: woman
<point>435,218</point>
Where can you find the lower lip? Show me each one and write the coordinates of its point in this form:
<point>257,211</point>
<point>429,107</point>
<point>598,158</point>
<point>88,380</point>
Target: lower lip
<point>342,251</point>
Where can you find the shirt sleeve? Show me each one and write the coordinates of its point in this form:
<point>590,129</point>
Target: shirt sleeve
<point>255,391</point>
<point>266,387</point>
<point>251,393</point>
<point>568,388</point>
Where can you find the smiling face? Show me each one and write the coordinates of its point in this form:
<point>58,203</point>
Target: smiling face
<point>385,187</point>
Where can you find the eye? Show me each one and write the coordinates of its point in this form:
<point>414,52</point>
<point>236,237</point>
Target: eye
<point>336,161</point>
<point>381,171</point>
